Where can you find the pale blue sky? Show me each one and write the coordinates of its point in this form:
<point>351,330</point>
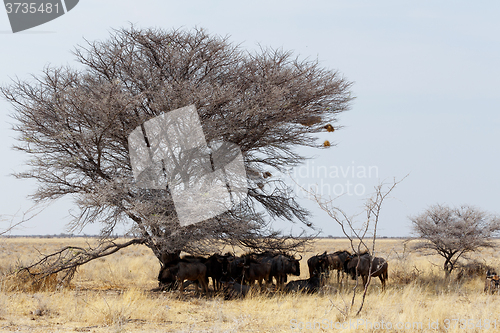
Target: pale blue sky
<point>426,75</point>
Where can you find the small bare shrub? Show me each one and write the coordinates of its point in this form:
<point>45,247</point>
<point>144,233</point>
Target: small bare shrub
<point>472,269</point>
<point>404,275</point>
<point>25,281</point>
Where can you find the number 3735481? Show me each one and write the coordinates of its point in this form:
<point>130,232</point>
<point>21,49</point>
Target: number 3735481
<point>27,7</point>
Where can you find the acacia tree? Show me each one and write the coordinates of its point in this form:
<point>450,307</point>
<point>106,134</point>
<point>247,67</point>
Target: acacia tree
<point>453,232</point>
<point>74,124</point>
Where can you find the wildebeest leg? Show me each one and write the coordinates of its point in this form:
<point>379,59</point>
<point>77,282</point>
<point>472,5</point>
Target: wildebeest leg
<point>260,284</point>
<point>207,292</point>
<point>215,284</point>
<point>365,280</point>
<point>197,289</point>
<point>251,283</point>
<point>181,287</point>
<point>280,282</point>
<point>204,286</point>
<point>382,280</point>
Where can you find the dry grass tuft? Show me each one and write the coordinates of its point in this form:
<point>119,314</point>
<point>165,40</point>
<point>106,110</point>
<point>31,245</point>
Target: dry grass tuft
<point>109,309</point>
<point>23,281</point>
<point>403,273</point>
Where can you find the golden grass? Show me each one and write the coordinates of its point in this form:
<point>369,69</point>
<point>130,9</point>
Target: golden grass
<point>23,281</point>
<point>112,294</point>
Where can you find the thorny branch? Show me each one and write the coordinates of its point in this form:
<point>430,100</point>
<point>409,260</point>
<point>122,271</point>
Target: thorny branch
<point>69,258</point>
<point>355,234</point>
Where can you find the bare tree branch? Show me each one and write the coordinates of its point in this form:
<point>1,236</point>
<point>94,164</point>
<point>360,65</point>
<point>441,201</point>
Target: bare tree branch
<point>69,258</point>
<point>25,217</point>
<point>357,235</point>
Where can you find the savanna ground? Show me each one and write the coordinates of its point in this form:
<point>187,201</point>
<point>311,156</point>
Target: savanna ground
<point>113,294</point>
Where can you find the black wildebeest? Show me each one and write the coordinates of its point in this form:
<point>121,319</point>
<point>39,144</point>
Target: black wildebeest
<point>311,285</point>
<point>217,269</point>
<point>336,260</point>
<point>233,289</point>
<point>281,266</point>
<point>318,264</point>
<point>234,269</point>
<point>378,267</point>
<point>168,282</point>
<point>184,270</point>
<point>254,270</point>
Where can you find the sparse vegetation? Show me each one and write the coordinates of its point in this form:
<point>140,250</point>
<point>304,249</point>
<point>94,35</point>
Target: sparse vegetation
<point>113,294</point>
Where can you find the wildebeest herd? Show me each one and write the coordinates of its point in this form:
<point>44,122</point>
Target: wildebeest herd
<point>236,275</point>
<point>362,264</point>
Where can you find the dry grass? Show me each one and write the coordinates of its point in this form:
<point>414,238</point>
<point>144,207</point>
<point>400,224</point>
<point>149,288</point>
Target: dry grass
<point>113,294</point>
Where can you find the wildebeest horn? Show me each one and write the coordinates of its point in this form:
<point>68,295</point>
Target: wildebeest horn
<point>300,258</point>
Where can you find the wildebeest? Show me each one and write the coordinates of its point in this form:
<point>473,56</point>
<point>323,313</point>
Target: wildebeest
<point>256,271</point>
<point>378,267</point>
<point>233,289</point>
<point>217,269</point>
<point>317,264</point>
<point>184,270</point>
<point>336,260</point>
<point>261,256</point>
<point>194,258</point>
<point>168,282</point>
<point>311,285</point>
<point>234,270</point>
<point>492,282</point>
<point>281,266</point>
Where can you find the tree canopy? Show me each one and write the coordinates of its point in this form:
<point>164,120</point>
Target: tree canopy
<point>453,232</point>
<point>74,124</point>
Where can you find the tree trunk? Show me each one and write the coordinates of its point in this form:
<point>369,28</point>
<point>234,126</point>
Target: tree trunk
<point>448,266</point>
